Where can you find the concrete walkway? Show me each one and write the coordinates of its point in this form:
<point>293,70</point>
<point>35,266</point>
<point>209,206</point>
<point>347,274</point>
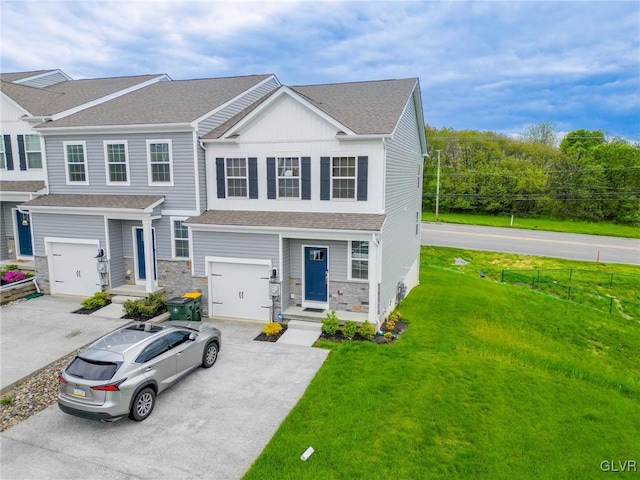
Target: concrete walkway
<point>301,333</point>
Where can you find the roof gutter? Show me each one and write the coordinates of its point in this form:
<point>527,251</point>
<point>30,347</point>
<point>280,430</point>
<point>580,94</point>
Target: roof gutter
<point>97,129</point>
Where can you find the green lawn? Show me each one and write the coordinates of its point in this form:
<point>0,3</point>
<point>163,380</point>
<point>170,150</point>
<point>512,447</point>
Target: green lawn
<point>490,381</point>
<point>547,224</point>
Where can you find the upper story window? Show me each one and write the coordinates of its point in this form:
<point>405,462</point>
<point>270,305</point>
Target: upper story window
<point>180,236</point>
<point>359,260</point>
<point>288,177</point>
<point>76,161</point>
<point>236,173</point>
<point>3,155</point>
<point>33,151</point>
<point>117,162</point>
<point>343,177</point>
<point>160,162</point>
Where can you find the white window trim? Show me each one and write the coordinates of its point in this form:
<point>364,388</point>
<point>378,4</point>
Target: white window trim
<point>86,163</point>
<point>227,177</point>
<point>3,154</point>
<point>355,178</point>
<point>150,176</point>
<point>350,262</point>
<point>299,177</point>
<point>27,151</point>
<point>126,161</point>
<point>173,238</point>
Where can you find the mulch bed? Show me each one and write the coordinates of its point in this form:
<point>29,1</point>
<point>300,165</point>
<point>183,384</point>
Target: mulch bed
<point>380,339</point>
<point>271,338</point>
<point>89,311</point>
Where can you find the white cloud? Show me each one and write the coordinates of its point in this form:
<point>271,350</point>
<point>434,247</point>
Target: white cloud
<point>484,65</point>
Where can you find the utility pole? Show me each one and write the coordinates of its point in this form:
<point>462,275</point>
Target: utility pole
<point>438,186</point>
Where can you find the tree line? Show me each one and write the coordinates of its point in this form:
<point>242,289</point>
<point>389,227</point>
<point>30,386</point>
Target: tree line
<point>584,177</point>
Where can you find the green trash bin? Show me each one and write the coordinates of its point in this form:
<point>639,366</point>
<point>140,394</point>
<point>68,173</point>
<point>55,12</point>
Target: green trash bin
<point>180,308</point>
<point>196,297</point>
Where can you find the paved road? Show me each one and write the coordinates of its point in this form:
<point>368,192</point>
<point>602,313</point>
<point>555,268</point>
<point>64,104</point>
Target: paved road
<point>533,242</point>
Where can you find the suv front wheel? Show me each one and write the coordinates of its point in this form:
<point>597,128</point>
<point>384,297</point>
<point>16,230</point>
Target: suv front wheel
<point>143,404</point>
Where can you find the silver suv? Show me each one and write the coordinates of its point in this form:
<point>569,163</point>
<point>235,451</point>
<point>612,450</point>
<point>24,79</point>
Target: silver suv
<point>122,373</point>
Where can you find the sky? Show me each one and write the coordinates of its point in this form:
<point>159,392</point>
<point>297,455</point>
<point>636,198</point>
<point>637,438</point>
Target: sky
<point>492,66</point>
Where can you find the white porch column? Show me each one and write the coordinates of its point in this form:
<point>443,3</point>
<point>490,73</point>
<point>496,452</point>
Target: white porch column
<point>147,237</point>
<point>374,280</point>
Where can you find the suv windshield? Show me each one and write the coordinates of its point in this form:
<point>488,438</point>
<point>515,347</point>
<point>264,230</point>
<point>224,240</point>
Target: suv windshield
<point>92,370</point>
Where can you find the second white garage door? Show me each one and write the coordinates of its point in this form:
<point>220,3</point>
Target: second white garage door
<point>239,290</point>
<point>73,269</point>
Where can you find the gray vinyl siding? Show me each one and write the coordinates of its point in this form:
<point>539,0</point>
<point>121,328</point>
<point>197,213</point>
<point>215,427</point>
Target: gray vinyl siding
<point>116,253</point>
<point>181,196</point>
<point>46,81</point>
<point>6,223</point>
<point>127,236</point>
<point>337,257</point>
<point>162,229</point>
<point>285,274</point>
<point>237,245</point>
<point>400,244</point>
<point>202,178</point>
<point>66,226</point>
<point>226,113</point>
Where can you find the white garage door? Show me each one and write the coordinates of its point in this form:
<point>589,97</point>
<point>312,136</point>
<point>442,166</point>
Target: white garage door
<point>239,290</point>
<point>73,269</point>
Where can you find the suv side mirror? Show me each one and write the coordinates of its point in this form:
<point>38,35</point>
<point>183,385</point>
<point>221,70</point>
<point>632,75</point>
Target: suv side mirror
<point>193,336</point>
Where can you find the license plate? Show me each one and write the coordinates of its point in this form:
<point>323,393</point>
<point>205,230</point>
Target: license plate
<point>79,392</point>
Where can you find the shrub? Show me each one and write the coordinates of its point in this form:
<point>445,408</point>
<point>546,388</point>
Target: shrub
<point>349,329</point>
<point>330,323</point>
<point>366,330</point>
<point>98,300</point>
<point>11,266</point>
<point>8,400</point>
<point>145,308</point>
<point>272,329</point>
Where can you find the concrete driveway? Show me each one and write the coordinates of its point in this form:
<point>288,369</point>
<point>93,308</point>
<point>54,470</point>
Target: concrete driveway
<point>213,424</point>
<point>42,330</point>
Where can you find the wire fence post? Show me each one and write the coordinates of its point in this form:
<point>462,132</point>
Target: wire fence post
<point>568,293</point>
<point>611,306</point>
<point>502,276</point>
<point>570,274</point>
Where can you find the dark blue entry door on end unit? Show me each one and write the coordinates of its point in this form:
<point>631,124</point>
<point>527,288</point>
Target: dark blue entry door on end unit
<point>25,247</point>
<point>142,271</point>
<point>315,274</point>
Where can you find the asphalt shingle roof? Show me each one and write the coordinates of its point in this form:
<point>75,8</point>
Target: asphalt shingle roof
<point>177,101</point>
<point>27,186</point>
<point>372,107</point>
<point>317,220</point>
<point>14,76</point>
<point>65,95</point>
<point>135,202</point>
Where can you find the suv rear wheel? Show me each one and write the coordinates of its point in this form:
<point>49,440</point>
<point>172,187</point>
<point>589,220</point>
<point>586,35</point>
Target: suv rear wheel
<point>143,404</point>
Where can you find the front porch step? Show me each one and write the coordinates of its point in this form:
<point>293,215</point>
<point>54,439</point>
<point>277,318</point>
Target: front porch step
<point>136,291</point>
<point>303,325</point>
<point>298,313</point>
<point>120,299</point>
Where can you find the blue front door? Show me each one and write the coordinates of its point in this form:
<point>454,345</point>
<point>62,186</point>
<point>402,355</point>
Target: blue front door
<point>25,247</point>
<point>315,274</point>
<point>142,271</point>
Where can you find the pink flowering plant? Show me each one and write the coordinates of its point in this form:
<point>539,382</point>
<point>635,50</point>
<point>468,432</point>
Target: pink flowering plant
<point>12,275</point>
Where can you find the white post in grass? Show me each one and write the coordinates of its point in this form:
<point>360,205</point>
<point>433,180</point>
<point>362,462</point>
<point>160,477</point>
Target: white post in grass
<point>438,186</point>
